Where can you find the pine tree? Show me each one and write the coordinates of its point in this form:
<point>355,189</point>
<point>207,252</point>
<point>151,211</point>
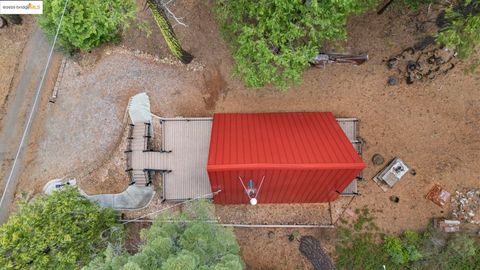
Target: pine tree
<point>186,241</point>
<point>167,32</point>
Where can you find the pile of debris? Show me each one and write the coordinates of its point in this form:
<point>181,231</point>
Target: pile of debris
<point>424,61</point>
<point>466,206</point>
<point>438,195</point>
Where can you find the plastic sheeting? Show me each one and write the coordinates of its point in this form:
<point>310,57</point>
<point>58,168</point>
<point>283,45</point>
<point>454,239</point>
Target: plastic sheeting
<point>139,109</point>
<point>133,198</point>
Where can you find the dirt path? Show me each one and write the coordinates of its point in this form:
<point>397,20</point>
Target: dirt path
<point>17,110</point>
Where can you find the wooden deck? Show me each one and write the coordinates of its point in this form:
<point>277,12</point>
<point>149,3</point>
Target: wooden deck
<point>182,159</point>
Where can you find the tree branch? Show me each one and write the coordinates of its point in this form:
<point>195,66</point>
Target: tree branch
<point>178,20</point>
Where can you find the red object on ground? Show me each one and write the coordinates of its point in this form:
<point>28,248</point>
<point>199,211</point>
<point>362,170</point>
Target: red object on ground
<point>304,157</point>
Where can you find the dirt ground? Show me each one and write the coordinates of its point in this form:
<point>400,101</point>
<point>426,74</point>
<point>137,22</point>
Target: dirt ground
<point>432,126</point>
<point>13,39</point>
<point>12,43</point>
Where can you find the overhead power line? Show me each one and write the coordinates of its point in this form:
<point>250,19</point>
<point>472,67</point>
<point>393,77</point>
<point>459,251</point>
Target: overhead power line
<point>32,111</point>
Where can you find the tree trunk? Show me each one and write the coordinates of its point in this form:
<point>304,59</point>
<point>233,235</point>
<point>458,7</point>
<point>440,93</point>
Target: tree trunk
<point>13,18</point>
<point>310,247</point>
<point>168,34</point>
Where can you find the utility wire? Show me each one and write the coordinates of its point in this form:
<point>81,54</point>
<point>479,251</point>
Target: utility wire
<point>32,111</point>
<point>172,206</point>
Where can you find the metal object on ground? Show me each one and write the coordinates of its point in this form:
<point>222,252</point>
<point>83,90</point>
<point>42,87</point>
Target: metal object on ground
<point>438,195</point>
<point>378,159</point>
<point>322,59</point>
<point>391,174</point>
<point>424,61</point>
<point>446,225</point>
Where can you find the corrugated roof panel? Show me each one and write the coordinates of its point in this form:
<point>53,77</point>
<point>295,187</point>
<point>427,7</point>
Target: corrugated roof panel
<point>279,138</point>
<point>304,157</point>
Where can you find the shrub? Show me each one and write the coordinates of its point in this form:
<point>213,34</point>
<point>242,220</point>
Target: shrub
<point>405,250</point>
<point>87,23</point>
<point>461,252</point>
<point>368,249</point>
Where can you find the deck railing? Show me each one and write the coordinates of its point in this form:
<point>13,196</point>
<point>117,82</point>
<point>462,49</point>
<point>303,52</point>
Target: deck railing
<point>147,145</point>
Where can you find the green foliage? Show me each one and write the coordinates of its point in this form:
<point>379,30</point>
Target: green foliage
<point>461,253</point>
<point>59,231</point>
<point>403,250</point>
<point>414,4</point>
<point>462,32</point>
<point>359,251</point>
<point>87,23</point>
<point>273,41</point>
<point>363,247</point>
<point>179,242</point>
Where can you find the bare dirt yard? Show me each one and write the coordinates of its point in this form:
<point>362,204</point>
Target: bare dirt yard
<point>432,126</point>
<point>13,39</point>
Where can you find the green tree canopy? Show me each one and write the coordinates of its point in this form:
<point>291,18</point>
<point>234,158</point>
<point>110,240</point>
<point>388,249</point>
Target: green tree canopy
<point>184,241</point>
<point>273,41</point>
<point>87,23</point>
<point>462,29</point>
<point>59,231</point>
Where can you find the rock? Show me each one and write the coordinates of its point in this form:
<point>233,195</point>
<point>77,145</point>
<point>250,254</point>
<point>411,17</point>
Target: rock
<point>392,81</point>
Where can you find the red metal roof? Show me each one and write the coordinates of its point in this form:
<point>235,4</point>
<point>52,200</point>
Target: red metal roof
<point>280,145</point>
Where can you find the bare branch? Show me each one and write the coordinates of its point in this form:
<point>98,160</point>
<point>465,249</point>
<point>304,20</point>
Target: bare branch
<point>178,20</point>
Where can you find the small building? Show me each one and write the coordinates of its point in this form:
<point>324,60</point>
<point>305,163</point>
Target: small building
<point>300,157</point>
<point>239,158</point>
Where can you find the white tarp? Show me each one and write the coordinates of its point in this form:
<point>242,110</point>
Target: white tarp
<point>139,109</point>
